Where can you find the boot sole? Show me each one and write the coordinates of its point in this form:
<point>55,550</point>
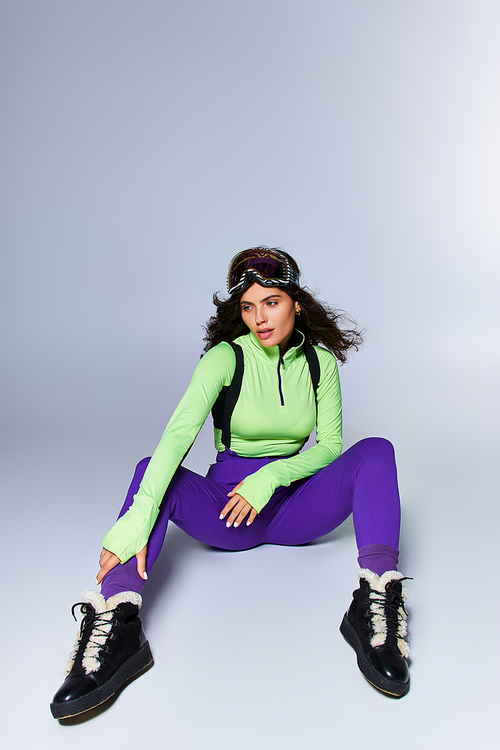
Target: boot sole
<point>378,681</point>
<point>133,667</point>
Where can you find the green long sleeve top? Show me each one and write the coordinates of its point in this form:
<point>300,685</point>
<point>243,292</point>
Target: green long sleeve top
<point>275,413</point>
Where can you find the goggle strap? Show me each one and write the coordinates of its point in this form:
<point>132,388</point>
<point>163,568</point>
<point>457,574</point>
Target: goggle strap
<point>282,280</point>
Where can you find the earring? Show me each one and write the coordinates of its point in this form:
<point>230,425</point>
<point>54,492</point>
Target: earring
<point>297,311</point>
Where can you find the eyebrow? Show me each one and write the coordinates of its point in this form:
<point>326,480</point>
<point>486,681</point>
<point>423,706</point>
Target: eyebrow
<point>271,296</point>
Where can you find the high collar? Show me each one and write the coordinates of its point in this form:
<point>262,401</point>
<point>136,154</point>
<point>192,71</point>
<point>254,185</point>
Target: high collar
<point>271,354</point>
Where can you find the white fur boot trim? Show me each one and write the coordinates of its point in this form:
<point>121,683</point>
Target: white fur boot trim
<point>379,622</point>
<point>101,631</point>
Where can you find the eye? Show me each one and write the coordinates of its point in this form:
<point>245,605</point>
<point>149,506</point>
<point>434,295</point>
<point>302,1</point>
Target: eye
<point>272,302</point>
<point>246,308</point>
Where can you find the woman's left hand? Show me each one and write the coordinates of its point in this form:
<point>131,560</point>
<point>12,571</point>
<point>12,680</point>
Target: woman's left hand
<point>238,509</point>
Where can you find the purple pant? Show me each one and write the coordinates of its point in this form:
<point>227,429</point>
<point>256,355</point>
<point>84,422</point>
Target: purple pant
<point>362,481</point>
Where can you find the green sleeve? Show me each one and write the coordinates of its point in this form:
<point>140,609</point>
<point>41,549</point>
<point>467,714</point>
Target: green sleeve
<point>258,487</point>
<point>131,532</point>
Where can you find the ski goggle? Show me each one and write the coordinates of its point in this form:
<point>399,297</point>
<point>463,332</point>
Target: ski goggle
<point>266,267</point>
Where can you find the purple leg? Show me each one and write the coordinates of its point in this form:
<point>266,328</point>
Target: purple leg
<point>362,481</point>
<point>194,504</point>
<point>125,577</point>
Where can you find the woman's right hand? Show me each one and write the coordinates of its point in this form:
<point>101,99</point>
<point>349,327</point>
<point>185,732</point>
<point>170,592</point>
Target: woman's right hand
<point>108,560</point>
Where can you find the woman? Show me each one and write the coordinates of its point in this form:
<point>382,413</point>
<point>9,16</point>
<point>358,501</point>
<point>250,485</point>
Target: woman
<point>268,384</point>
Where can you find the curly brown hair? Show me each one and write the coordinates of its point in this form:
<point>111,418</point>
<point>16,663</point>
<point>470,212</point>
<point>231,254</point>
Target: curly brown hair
<point>320,323</point>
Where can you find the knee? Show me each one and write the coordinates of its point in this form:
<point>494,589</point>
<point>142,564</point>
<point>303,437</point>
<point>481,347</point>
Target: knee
<point>142,465</point>
<point>377,448</point>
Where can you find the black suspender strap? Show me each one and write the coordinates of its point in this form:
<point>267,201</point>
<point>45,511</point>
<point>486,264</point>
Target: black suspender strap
<point>313,362</point>
<point>223,408</point>
<point>314,372</point>
<point>232,395</point>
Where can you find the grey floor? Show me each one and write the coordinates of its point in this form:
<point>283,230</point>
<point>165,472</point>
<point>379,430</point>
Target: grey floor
<point>246,645</point>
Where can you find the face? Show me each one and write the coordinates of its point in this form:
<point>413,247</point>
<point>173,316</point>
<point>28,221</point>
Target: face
<point>269,312</point>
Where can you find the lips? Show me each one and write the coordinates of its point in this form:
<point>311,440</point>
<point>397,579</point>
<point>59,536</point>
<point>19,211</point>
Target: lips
<point>265,333</point>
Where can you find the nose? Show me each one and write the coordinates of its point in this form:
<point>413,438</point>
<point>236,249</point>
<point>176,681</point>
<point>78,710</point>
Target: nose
<point>260,317</point>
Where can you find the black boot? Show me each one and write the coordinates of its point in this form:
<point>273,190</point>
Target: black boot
<point>110,649</point>
<point>375,626</point>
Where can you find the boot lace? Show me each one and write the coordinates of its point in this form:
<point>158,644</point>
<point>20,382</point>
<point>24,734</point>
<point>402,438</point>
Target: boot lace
<point>390,600</point>
<point>94,624</point>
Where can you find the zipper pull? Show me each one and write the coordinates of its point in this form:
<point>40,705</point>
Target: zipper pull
<point>280,362</point>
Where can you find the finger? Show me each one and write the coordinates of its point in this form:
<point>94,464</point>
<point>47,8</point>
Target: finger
<point>251,517</point>
<point>243,514</point>
<point>234,510</point>
<point>107,563</point>
<point>101,574</point>
<point>104,557</point>
<point>106,554</point>
<point>235,489</point>
<point>228,506</point>
<point>241,506</point>
<point>141,563</point>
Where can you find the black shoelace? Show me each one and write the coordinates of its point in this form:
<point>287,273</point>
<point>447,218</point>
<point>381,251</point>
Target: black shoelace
<point>391,600</point>
<point>94,622</point>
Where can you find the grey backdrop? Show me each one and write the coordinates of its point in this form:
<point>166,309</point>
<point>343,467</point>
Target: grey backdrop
<point>144,143</point>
